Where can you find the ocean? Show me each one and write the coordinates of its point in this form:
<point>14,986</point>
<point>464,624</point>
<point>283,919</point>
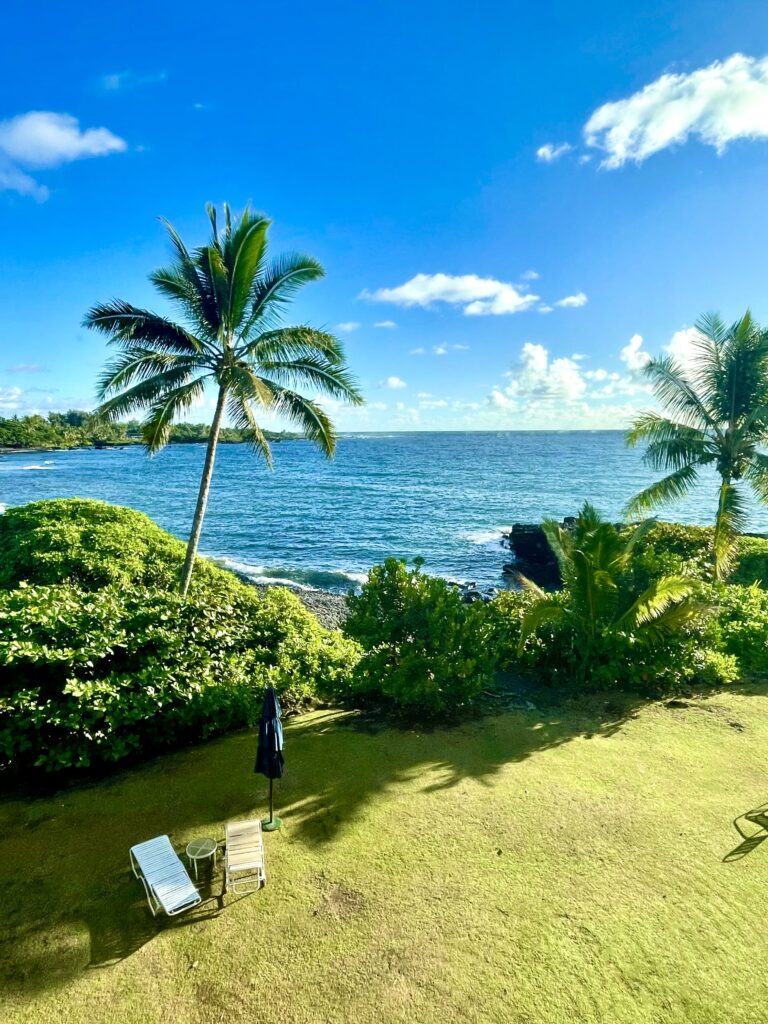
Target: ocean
<point>446,497</point>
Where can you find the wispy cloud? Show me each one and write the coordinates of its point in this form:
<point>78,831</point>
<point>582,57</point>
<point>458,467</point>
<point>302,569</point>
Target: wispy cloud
<point>478,296</point>
<point>717,104</point>
<point>127,81</point>
<point>26,368</point>
<point>386,324</point>
<point>419,351</point>
<point>393,383</point>
<point>443,350</point>
<point>348,326</point>
<point>43,139</point>
<point>550,152</point>
<point>571,301</point>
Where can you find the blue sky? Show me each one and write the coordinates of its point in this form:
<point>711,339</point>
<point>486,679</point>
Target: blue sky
<point>459,170</point>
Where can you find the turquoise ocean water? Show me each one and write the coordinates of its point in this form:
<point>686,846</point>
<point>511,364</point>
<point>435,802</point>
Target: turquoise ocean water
<point>444,496</point>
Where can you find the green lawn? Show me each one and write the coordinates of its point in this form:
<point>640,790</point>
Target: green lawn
<point>528,867</point>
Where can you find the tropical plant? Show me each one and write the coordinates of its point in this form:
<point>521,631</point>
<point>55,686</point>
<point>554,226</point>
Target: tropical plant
<point>425,652</point>
<point>601,601</point>
<point>717,415</point>
<point>230,297</point>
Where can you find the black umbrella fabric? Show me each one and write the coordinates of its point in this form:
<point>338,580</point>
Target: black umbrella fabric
<point>269,753</point>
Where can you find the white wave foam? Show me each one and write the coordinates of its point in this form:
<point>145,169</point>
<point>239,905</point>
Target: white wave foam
<point>48,465</point>
<point>486,536</point>
<point>280,581</point>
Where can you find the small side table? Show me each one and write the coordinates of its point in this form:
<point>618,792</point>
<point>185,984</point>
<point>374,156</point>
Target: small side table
<point>201,849</point>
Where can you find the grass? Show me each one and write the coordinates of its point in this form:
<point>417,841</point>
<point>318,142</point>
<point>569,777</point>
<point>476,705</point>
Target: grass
<point>579,865</point>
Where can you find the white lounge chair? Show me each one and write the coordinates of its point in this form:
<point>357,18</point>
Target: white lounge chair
<point>244,857</point>
<point>165,879</point>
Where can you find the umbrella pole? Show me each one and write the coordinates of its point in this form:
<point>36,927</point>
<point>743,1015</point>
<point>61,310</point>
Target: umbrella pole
<point>273,824</point>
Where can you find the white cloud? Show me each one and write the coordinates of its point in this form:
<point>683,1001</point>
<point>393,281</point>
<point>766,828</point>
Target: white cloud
<point>633,355</point>
<point>550,152</point>
<point>348,326</point>
<point>443,350</point>
<point>537,378</point>
<point>724,101</point>
<point>573,301</point>
<point>682,346</point>
<point>425,394</point>
<point>420,351</point>
<point>388,324</point>
<point>544,308</point>
<point>377,406</point>
<point>394,383</point>
<point>41,139</point>
<point>530,275</point>
<point>10,399</point>
<point>479,296</point>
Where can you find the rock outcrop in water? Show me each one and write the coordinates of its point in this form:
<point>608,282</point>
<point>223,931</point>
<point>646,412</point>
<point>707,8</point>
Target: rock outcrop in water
<point>532,556</point>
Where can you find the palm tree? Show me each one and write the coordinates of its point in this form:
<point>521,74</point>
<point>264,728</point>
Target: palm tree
<point>230,297</point>
<point>599,596</point>
<point>717,415</point>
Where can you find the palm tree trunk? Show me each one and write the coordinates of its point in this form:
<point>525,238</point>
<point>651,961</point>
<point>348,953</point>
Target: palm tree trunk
<point>723,539</point>
<point>202,496</point>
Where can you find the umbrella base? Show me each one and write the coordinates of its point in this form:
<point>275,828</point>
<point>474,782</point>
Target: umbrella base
<point>272,824</point>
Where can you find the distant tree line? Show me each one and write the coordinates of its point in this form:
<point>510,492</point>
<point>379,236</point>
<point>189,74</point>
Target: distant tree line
<point>79,429</point>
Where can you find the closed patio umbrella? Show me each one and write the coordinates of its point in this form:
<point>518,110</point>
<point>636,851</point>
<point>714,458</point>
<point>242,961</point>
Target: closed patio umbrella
<point>269,753</point>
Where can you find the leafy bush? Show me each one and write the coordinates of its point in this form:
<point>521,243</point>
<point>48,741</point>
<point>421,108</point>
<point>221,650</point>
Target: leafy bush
<point>671,549</point>
<point>92,544</point>
<point>96,676</point>
<point>740,627</point>
<point>424,650</point>
<point>751,561</point>
<point>674,549</point>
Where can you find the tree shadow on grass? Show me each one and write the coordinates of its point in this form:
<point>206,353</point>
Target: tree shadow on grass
<point>69,902</point>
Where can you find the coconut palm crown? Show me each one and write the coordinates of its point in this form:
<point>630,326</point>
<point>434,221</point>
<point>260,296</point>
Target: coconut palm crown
<point>717,415</point>
<point>230,298</point>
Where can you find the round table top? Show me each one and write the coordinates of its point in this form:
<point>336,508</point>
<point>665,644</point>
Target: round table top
<point>201,848</point>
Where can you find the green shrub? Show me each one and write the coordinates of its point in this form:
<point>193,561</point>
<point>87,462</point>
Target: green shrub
<point>92,544</point>
<point>505,614</point>
<point>751,561</point>
<point>424,650</point>
<point>88,677</point>
<point>671,549</point>
<point>740,627</point>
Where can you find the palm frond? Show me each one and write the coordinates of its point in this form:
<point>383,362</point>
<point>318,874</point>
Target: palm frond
<point>243,418</point>
<point>656,600</point>
<point>731,520</point>
<point>288,343</point>
<point>548,610</point>
<point>677,394</point>
<point>243,255</point>
<point>184,264</point>
<point>316,372</point>
<point>128,325</point>
<point>145,394</point>
<point>156,428</point>
<point>757,475</point>
<point>275,286</point>
<point>138,365</point>
<point>309,416</point>
<point>670,488</point>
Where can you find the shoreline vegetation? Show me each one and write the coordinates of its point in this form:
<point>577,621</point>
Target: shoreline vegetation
<point>78,429</point>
